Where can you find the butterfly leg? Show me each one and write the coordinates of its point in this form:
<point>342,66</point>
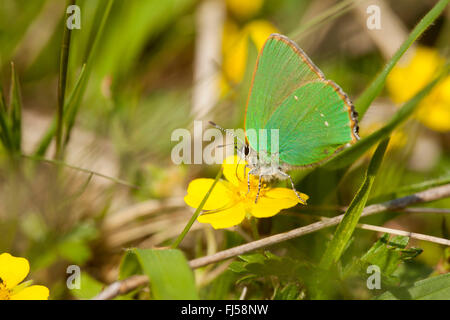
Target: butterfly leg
<point>259,188</point>
<point>292,184</point>
<point>248,178</point>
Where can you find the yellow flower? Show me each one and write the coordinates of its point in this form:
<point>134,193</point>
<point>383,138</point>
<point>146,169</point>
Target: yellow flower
<point>12,271</point>
<point>406,79</point>
<point>229,203</point>
<point>235,48</point>
<point>244,9</point>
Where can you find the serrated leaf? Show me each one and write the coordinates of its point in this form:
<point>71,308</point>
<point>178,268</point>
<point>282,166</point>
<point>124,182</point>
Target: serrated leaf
<point>268,264</point>
<point>389,254</point>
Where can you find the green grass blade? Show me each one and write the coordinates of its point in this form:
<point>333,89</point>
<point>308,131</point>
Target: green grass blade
<point>327,16</point>
<point>89,65</point>
<point>74,100</point>
<point>350,155</point>
<point>69,115</point>
<point>374,89</point>
<point>15,111</point>
<point>410,189</point>
<point>168,271</point>
<point>62,82</point>
<point>2,100</point>
<point>73,105</point>
<point>4,129</point>
<point>348,224</point>
<point>196,213</point>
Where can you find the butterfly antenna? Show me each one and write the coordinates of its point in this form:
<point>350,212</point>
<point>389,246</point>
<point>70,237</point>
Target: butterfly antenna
<point>226,145</point>
<point>227,131</point>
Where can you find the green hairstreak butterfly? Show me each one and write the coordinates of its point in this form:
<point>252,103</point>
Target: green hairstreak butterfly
<point>312,117</point>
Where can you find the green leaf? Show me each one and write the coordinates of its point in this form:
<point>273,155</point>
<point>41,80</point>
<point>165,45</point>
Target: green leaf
<point>220,287</point>
<point>168,271</point>
<point>89,287</point>
<point>268,264</point>
<point>367,97</point>
<point>434,288</point>
<point>348,224</point>
<point>77,252</point>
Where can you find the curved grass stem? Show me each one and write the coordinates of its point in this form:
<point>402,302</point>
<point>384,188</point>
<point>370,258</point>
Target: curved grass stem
<point>196,213</point>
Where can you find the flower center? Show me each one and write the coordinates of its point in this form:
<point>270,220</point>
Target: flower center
<point>4,291</point>
<point>249,198</point>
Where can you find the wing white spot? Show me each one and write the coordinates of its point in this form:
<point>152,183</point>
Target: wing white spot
<point>326,123</point>
<point>295,97</point>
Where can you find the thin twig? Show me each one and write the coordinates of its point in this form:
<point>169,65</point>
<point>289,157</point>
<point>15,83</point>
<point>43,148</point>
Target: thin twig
<point>424,210</point>
<point>414,235</point>
<point>121,287</point>
<point>64,164</point>
<point>424,196</point>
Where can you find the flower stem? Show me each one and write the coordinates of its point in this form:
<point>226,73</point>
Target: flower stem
<point>196,213</point>
<point>254,226</point>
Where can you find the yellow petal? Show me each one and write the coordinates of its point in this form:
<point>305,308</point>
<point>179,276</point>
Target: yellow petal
<point>285,193</point>
<point>197,189</point>
<point>234,170</point>
<point>224,219</point>
<point>275,200</point>
<point>13,269</point>
<point>32,293</point>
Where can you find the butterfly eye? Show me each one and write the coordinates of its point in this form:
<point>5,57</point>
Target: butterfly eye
<point>246,150</point>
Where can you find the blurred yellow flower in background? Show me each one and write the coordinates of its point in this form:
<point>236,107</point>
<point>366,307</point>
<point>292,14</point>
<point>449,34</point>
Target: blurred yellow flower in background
<point>235,48</point>
<point>235,40</point>
<point>229,203</point>
<point>408,78</point>
<point>12,271</point>
<point>246,8</point>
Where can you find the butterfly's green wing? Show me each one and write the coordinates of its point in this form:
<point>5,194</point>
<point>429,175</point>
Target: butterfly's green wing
<point>289,93</point>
